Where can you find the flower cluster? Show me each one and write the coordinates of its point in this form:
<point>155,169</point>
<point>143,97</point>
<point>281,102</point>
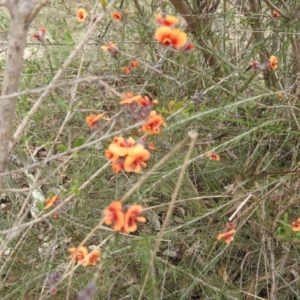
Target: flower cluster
<point>81,256</point>
<point>127,155</point>
<point>128,69</point>
<point>228,234</point>
<point>137,107</point>
<point>169,37</point>
<point>123,219</point>
<point>271,64</point>
<point>40,35</point>
<point>140,108</point>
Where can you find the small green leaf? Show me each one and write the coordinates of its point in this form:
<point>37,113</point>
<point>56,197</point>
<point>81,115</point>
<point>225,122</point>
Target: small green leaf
<point>75,190</point>
<point>68,38</point>
<point>62,148</point>
<point>62,104</point>
<point>79,142</point>
<point>40,205</point>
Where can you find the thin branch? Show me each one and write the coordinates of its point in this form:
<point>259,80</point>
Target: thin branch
<point>138,7</point>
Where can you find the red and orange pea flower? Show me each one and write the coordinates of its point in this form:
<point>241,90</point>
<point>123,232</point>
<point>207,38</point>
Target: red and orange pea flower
<point>212,156</point>
<point>123,219</point>
<point>126,70</point>
<point>275,14</point>
<point>146,101</point>
<point>132,217</point>
<point>51,201</point>
<point>273,62</point>
<point>93,120</point>
<point>296,225</point>
<point>81,15</point>
<point>81,256</point>
<point>116,15</point>
<point>188,47</point>
<point>170,37</point>
<point>167,20</point>
<point>129,98</point>
<point>134,64</point>
<point>134,163</point>
<point>114,215</point>
<point>153,123</point>
<point>40,35</point>
<point>127,155</point>
<point>108,46</point>
<point>227,236</point>
<point>111,48</point>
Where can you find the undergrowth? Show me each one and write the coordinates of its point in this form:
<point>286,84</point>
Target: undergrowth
<point>243,168</point>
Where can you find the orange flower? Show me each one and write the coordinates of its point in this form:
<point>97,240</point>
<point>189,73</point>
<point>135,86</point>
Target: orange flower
<point>168,36</point>
<point>111,48</point>
<point>116,15</point>
<point>296,225</point>
<point>78,254</point>
<point>275,14</point>
<point>134,163</point>
<point>151,146</point>
<point>108,46</point>
<point>228,236</point>
<point>212,156</point>
<point>40,34</point>
<point>134,64</point>
<point>126,70</point>
<point>113,214</point>
<point>167,20</point>
<point>118,166</point>
<point>43,30</point>
<point>145,101</point>
<point>128,98</point>
<point>133,215</point>
<point>92,258</point>
<point>123,147</point>
<point>51,201</point>
<point>81,15</point>
<point>152,126</point>
<point>92,120</point>
<point>188,47</point>
<point>273,61</point>
<point>127,154</point>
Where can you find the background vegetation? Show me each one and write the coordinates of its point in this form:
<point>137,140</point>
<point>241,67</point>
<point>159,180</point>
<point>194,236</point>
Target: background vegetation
<point>249,118</point>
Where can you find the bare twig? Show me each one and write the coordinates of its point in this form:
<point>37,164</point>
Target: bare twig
<point>138,7</point>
